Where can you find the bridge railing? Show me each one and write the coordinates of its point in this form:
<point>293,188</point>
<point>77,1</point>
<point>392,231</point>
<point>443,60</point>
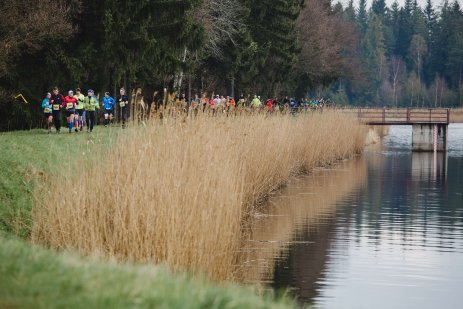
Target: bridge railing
<point>386,116</point>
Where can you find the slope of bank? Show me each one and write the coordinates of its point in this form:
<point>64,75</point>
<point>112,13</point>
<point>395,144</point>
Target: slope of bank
<point>36,277</point>
<point>33,277</point>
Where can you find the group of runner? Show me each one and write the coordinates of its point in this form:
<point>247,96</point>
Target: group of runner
<point>80,110</point>
<point>217,104</point>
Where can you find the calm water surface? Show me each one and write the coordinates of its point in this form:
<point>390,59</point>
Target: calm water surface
<point>382,231</point>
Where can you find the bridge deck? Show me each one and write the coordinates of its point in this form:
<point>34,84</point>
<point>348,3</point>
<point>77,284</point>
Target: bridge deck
<point>401,116</point>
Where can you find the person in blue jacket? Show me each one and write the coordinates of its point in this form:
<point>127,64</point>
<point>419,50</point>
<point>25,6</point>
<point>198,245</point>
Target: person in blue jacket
<point>293,105</point>
<point>108,106</point>
<point>47,111</point>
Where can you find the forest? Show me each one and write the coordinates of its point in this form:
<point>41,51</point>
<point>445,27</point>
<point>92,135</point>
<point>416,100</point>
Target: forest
<point>355,55</point>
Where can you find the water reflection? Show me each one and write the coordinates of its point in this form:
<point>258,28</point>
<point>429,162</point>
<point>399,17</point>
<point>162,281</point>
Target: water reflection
<point>304,207</point>
<point>384,231</point>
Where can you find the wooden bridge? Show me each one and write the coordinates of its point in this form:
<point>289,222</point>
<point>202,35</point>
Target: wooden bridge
<point>430,125</point>
<point>401,116</point>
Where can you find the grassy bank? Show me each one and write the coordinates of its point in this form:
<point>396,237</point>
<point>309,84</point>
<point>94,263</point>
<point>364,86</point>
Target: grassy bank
<point>178,193</point>
<point>31,157</point>
<point>35,277</point>
<point>32,277</point>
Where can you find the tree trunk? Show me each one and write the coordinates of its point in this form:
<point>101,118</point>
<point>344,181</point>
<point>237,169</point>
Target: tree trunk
<point>460,94</point>
<point>179,77</point>
<point>189,93</point>
<point>233,87</point>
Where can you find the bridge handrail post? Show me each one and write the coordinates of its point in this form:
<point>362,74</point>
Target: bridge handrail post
<point>448,115</point>
<point>384,114</point>
<point>408,115</point>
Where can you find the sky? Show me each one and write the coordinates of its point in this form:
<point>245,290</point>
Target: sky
<point>422,3</point>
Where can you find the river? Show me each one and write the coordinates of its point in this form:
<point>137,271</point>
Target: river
<point>384,230</point>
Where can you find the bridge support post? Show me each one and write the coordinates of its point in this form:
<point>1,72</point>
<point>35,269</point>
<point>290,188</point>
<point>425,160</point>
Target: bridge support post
<point>425,139</point>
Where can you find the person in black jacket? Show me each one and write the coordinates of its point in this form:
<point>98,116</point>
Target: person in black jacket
<point>123,101</point>
<point>57,103</point>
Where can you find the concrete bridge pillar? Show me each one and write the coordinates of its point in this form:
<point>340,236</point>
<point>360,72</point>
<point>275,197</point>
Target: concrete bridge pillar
<point>426,137</point>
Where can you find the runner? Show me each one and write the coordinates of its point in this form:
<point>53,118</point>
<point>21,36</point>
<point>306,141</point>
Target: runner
<point>47,108</point>
<point>213,105</point>
<point>123,102</point>
<point>232,105</point>
<point>204,102</point>
<point>220,104</point>
<point>79,119</point>
<point>108,104</point>
<point>241,104</point>
<point>269,104</point>
<point>70,103</point>
<point>57,101</point>
<point>91,105</point>
<point>241,99</point>
<point>256,103</point>
<point>196,105</point>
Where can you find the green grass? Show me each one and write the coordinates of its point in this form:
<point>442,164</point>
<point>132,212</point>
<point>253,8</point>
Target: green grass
<point>35,277</point>
<point>32,277</point>
<point>28,156</point>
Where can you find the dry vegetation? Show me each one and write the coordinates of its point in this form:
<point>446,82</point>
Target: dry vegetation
<point>456,115</point>
<point>179,192</point>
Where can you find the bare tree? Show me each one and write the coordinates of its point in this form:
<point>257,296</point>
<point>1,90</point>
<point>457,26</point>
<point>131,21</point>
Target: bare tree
<point>221,21</point>
<point>418,48</point>
<point>27,25</point>
<point>327,42</point>
<point>439,89</point>
<point>396,69</point>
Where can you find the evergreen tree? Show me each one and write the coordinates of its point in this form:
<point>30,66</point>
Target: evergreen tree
<point>373,48</point>
<point>349,11</point>
<point>379,8</point>
<point>430,17</point>
<point>418,21</point>
<point>454,63</point>
<point>272,25</point>
<point>405,30</point>
<point>362,16</point>
<point>393,23</point>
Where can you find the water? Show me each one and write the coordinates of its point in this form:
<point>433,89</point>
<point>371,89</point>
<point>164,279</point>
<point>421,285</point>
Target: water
<point>381,231</point>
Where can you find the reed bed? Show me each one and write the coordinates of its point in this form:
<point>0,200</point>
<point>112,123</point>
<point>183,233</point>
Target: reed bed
<point>456,115</point>
<point>178,192</point>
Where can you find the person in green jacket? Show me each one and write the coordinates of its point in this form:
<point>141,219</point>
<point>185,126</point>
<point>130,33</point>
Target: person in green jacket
<point>79,110</point>
<point>256,103</point>
<point>91,104</point>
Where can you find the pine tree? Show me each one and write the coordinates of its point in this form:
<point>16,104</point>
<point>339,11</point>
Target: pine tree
<point>430,17</point>
<point>379,8</point>
<point>454,63</point>
<point>349,11</point>
<point>373,48</point>
<point>405,30</point>
<point>140,35</point>
<point>362,18</point>
<point>418,21</point>
<point>272,25</point>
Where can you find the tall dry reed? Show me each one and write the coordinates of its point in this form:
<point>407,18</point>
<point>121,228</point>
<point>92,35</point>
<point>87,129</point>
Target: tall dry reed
<point>456,115</point>
<point>178,192</point>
